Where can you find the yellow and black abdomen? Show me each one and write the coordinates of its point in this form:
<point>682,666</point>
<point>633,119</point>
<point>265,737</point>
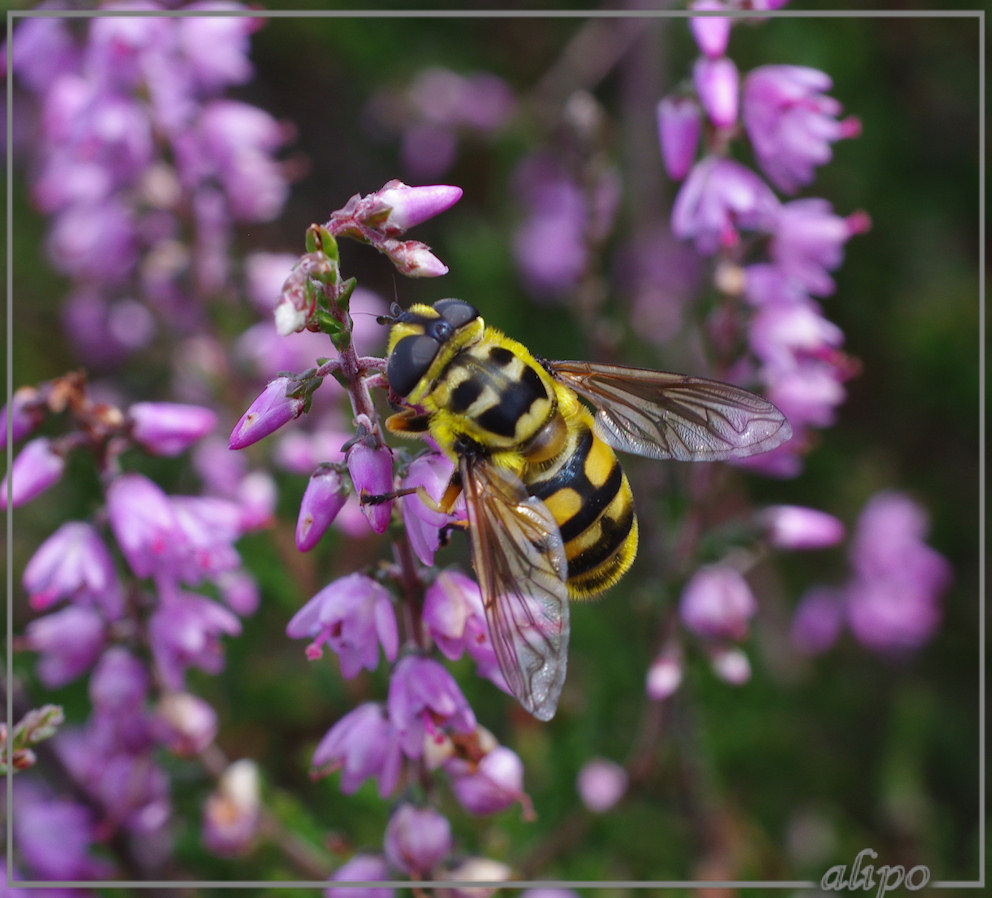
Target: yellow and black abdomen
<point>588,494</point>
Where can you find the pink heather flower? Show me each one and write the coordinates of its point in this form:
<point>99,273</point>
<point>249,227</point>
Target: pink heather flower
<point>74,563</point>
<point>807,393</point>
<point>43,51</point>
<point>712,33</point>
<point>362,745</point>
<point>432,472</point>
<point>417,840</point>
<point>184,723</point>
<point>234,142</point>
<point>168,428</point>
<point>782,334</point>
<point>239,591</point>
<point>679,127</point>
<point>361,868</point>
<point>479,101</point>
<point>893,600</point>
<point>717,85</point>
<point>601,784</point>
<point>184,631</point>
<point>265,274</point>
<point>353,615</point>
<point>36,468</point>
<point>55,836</point>
<point>69,642</point>
<point>792,123</point>
<point>717,603</point>
<point>809,242</point>
<point>405,207</point>
<point>323,498</point>
<point>423,696</point>
<point>21,415</point>
<point>207,529</point>
<point>216,47</point>
<point>665,674</point>
<point>119,683</point>
<point>95,241</point>
<point>371,470</point>
<point>719,198</point>
<point>490,785</point>
<point>767,284</point>
<point>270,411</point>
<point>818,619</point>
<point>231,814</point>
<point>144,523</point>
<point>795,527</point>
<point>455,619</point>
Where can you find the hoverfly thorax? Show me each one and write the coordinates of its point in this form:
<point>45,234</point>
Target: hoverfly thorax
<point>423,338</point>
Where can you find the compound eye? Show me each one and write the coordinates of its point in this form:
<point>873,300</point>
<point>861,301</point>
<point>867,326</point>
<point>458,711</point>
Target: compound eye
<point>456,312</point>
<point>409,361</point>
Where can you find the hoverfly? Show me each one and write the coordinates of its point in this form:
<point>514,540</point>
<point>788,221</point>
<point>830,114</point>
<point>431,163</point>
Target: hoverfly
<point>550,512</point>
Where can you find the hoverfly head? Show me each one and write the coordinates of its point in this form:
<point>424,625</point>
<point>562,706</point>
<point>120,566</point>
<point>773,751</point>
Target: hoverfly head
<point>418,335</point>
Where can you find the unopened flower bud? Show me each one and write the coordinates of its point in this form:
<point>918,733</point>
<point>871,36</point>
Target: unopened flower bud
<point>186,723</point>
<point>323,498</point>
<point>712,33</point>
<point>270,411</point>
<point>492,784</point>
<point>794,527</point>
<point>409,206</point>
<point>474,869</point>
<point>19,415</point>
<point>414,259</point>
<point>167,428</point>
<point>371,470</point>
<point>717,603</point>
<point>665,674</point>
<point>601,784</point>
<point>731,665</point>
<point>361,868</point>
<point>230,815</point>
<point>717,86</point>
<point>679,127</point>
<point>417,839</point>
<point>36,468</point>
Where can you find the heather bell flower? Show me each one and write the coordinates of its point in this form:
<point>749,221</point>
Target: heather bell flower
<point>792,123</point>
<point>354,616</point>
<point>432,472</point>
<point>69,642</point>
<point>361,868</point>
<point>717,86</point>
<point>424,699</point>
<point>711,33</point>
<point>417,840</point>
<point>795,527</point>
<point>371,470</point>
<point>168,428</point>
<point>717,603</point>
<point>75,564</point>
<point>36,468</point>
<point>362,745</point>
<point>679,129</point>
<point>718,199</point>
<point>490,784</point>
<point>601,784</point>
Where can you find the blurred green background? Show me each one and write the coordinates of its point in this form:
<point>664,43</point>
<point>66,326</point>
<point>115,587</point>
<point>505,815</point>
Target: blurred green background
<point>811,761</point>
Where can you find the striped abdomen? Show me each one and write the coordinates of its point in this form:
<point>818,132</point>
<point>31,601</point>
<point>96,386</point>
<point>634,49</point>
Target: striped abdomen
<point>588,494</point>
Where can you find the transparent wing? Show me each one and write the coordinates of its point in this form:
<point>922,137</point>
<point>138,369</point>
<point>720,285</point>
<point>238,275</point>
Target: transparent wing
<point>520,561</point>
<point>662,415</point>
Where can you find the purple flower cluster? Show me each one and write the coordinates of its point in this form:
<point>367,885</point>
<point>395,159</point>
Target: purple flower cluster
<point>169,545</point>
<point>142,163</point>
<point>726,208</point>
<point>891,603</point>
